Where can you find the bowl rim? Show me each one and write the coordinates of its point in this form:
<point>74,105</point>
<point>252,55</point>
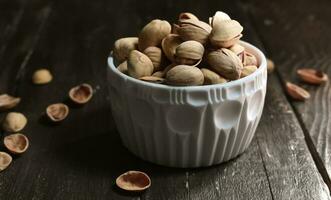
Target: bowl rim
<point>252,49</point>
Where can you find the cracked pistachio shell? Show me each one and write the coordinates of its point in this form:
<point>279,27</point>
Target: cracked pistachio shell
<point>187,15</point>
<point>249,59</point>
<point>184,75</point>
<point>153,33</point>
<point>156,56</point>
<point>191,29</point>
<point>8,102</point>
<point>123,67</point>
<point>225,33</point>
<point>247,70</point>
<point>211,77</point>
<point>225,62</point>
<point>123,47</point>
<point>189,53</point>
<point>139,65</point>
<point>169,45</point>
<point>219,16</point>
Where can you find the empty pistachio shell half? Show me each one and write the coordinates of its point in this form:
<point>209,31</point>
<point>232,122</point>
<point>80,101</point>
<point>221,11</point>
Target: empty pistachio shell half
<point>312,76</point>
<point>42,76</point>
<point>169,45</point>
<point>296,92</point>
<point>14,122</point>
<point>123,67</point>
<point>226,63</point>
<point>81,94</point>
<point>153,33</point>
<point>225,33</point>
<point>57,112</point>
<point>122,48</point>
<point>189,53</point>
<point>16,143</point>
<point>139,65</point>
<point>133,181</point>
<point>5,160</point>
<point>211,77</point>
<point>247,70</point>
<point>152,79</point>
<point>184,75</point>
<point>156,56</point>
<point>8,102</point>
<point>191,29</point>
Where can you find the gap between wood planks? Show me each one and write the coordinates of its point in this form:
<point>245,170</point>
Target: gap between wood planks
<point>311,147</point>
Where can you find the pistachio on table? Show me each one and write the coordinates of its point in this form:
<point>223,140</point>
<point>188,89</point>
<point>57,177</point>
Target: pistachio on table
<point>81,94</point>
<point>5,160</point>
<point>8,102</point>
<point>312,76</point>
<point>296,92</point>
<point>57,112</point>
<point>42,76</point>
<point>16,143</point>
<point>270,66</point>
<point>133,181</point>
<point>14,122</point>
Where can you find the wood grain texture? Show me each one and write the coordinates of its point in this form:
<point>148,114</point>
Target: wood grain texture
<point>81,157</point>
<point>302,41</point>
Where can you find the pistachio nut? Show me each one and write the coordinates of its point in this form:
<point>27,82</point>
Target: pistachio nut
<point>14,122</point>
<point>270,66</point>
<point>156,56</point>
<point>123,67</point>
<point>249,59</point>
<point>297,92</point>
<point>237,49</point>
<point>312,76</point>
<point>211,77</point>
<point>191,29</point>
<point>123,47</point>
<point>42,76</point>
<point>226,63</point>
<point>152,79</point>
<point>189,53</point>
<point>247,70</point>
<point>184,75</point>
<point>159,74</point>
<point>187,15</point>
<point>153,33</point>
<point>225,33</point>
<point>219,16</point>
<point>169,45</point>
<point>139,65</point>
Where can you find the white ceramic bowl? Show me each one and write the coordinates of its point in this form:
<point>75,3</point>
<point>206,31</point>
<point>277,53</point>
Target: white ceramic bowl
<point>191,126</point>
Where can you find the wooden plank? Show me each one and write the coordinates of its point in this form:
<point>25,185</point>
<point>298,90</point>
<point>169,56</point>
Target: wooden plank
<point>302,41</point>
<point>292,173</point>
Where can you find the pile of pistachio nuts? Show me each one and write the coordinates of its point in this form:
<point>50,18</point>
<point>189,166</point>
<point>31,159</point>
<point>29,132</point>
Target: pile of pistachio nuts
<point>188,53</point>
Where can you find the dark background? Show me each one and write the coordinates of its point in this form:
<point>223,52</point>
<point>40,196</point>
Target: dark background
<point>289,157</point>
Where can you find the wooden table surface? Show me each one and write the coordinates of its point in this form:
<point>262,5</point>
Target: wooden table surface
<point>289,157</point>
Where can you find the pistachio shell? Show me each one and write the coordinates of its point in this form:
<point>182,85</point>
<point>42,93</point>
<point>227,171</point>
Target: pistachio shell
<point>153,33</point>
<point>219,16</point>
<point>187,15</point>
<point>189,53</point>
<point>225,33</point>
<point>211,77</point>
<point>249,59</point>
<point>191,29</point>
<point>8,102</point>
<point>296,92</point>
<point>225,62</point>
<point>270,66</point>
<point>123,47</point>
<point>169,45</point>
<point>152,79</point>
<point>247,70</point>
<point>123,67</point>
<point>159,74</point>
<point>237,49</point>
<point>184,75</point>
<point>157,57</point>
<point>139,65</point>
